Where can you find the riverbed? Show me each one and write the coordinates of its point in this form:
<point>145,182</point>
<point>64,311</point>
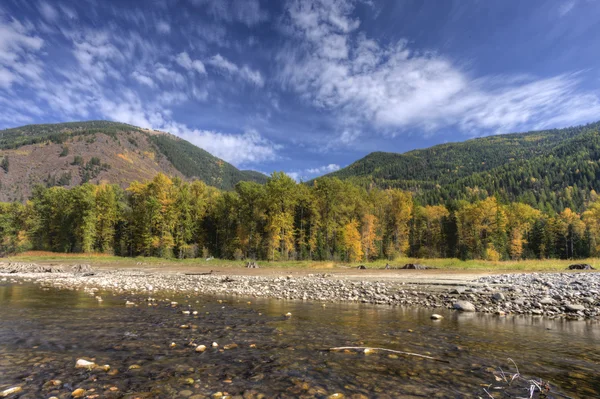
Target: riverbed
<point>268,348</point>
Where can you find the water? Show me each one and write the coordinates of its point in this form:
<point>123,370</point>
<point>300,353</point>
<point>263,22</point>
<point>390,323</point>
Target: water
<point>44,331</point>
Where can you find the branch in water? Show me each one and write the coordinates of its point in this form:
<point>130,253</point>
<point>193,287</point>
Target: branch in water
<point>367,350</point>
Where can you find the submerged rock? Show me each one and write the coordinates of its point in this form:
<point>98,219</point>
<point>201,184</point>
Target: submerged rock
<point>85,364</point>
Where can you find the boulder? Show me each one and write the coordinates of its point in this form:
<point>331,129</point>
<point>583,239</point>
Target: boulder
<point>574,308</point>
<point>498,296</point>
<point>464,306</point>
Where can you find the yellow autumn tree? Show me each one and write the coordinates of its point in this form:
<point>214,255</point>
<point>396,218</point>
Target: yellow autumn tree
<point>351,241</point>
<point>591,217</point>
<point>521,218</point>
<point>369,236</point>
<point>400,212</point>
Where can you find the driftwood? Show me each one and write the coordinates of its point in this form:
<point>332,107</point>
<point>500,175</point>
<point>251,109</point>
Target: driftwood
<point>409,266</point>
<point>368,349</point>
<point>200,274</point>
<point>581,266</point>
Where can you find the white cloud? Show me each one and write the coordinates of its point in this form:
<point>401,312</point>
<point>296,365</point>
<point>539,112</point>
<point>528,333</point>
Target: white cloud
<point>323,169</point>
<point>310,173</point>
<point>184,60</point>
<point>48,12</point>
<point>247,74</point>
<point>15,41</point>
<point>169,76</point>
<point>163,27</point>
<point>248,148</point>
<point>391,88</point>
<point>221,62</point>
<point>143,79</point>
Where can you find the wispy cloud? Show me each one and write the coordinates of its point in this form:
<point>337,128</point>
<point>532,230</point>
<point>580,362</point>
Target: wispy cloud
<point>245,72</point>
<point>48,12</point>
<point>163,27</point>
<point>184,60</point>
<point>566,7</point>
<point>392,87</point>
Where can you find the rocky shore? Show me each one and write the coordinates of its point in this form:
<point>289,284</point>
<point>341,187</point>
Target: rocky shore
<point>555,295</point>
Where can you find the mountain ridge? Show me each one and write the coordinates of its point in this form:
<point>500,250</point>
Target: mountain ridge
<point>510,166</point>
<point>71,153</point>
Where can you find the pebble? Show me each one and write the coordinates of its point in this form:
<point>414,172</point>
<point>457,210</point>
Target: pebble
<point>200,348</point>
<point>85,364</point>
<point>436,316</point>
<point>78,393</point>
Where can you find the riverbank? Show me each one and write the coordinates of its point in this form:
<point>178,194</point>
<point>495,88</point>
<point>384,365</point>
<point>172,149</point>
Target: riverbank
<point>573,295</point>
<point>443,264</point>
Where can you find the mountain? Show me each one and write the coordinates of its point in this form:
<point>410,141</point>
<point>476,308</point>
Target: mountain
<point>549,169</point>
<point>68,154</point>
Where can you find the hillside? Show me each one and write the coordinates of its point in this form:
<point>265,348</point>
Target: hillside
<point>68,154</point>
<point>550,169</point>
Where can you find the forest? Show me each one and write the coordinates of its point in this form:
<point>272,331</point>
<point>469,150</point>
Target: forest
<point>327,219</point>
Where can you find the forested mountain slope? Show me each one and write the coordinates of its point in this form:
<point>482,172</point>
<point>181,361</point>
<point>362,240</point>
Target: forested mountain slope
<point>550,169</point>
<point>69,154</point>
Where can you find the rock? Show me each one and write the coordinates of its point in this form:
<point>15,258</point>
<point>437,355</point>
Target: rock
<point>128,303</point>
<point>215,345</point>
<point>85,364</point>
<point>574,308</point>
<point>464,306</point>
<point>580,266</point>
<point>368,351</point>
<point>498,296</point>
<point>336,396</point>
<point>546,301</point>
<point>10,391</point>
<point>230,346</point>
<point>186,393</point>
<point>288,314</point>
<point>78,393</point>
<point>436,316</point>
<point>200,348</point>
<point>135,367</point>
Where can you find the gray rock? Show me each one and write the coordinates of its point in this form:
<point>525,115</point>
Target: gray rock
<point>464,306</point>
<point>574,307</point>
<point>498,296</point>
<point>547,301</point>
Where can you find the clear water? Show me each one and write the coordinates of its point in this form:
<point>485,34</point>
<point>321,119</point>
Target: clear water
<point>44,331</point>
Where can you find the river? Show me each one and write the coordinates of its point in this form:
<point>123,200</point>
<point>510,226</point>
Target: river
<point>43,331</point>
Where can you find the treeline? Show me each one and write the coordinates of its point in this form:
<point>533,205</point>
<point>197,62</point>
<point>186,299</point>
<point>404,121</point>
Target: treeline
<point>330,219</point>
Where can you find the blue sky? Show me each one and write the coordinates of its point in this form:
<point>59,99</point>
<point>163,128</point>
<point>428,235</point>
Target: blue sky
<point>303,86</point>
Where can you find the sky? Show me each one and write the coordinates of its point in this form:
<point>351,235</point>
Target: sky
<point>303,86</point>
